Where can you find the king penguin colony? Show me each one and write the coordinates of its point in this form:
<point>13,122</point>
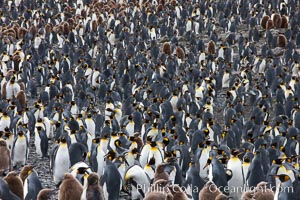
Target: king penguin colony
<point>151,99</point>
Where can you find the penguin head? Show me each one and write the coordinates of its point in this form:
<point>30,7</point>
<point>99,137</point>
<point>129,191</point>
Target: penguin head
<point>26,171</point>
<point>235,152</point>
<point>111,155</point>
<point>153,144</point>
<point>118,143</point>
<point>278,161</point>
<point>282,177</point>
<point>63,140</point>
<point>93,179</point>
<point>20,133</point>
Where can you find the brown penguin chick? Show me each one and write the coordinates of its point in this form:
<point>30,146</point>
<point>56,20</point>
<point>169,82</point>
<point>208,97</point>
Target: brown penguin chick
<point>247,195</point>
<point>5,161</point>
<point>3,90</point>
<point>94,25</point>
<point>21,84</point>
<point>177,192</point>
<point>48,28</point>
<point>211,47</point>
<point>45,194</point>
<point>33,30</point>
<point>281,41</point>
<point>16,28</point>
<point>222,197</point>
<point>262,192</point>
<point>167,48</point>
<point>264,21</point>
<point>158,196</point>
<point>277,20</point>
<point>11,32</point>
<point>284,22</point>
<point>22,32</point>
<point>180,53</point>
<point>70,188</point>
<point>209,191</point>
<point>15,184</point>
<point>71,22</point>
<point>25,172</point>
<point>21,98</point>
<point>270,24</point>
<point>160,173</point>
<point>94,190</point>
<point>66,28</point>
<point>160,185</point>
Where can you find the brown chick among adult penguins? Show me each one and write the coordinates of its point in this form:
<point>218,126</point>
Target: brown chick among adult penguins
<point>94,190</point>
<point>24,172</point>
<point>45,194</point>
<point>264,21</point>
<point>160,173</point>
<point>15,184</point>
<point>177,192</point>
<point>247,195</point>
<point>70,188</point>
<point>262,192</point>
<point>160,185</point>
<point>5,161</point>
<point>209,191</point>
<point>158,196</point>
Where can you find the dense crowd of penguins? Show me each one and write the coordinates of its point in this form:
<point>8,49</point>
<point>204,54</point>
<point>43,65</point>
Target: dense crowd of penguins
<point>128,93</point>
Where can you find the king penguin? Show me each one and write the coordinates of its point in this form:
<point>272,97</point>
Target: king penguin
<point>138,180</point>
<point>235,165</point>
<point>111,181</point>
<point>41,142</point>
<point>20,149</point>
<point>31,182</point>
<point>255,174</point>
<point>60,162</point>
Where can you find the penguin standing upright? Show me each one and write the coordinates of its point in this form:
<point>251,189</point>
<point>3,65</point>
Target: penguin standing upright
<point>70,188</point>
<point>235,165</point>
<point>90,125</point>
<point>98,157</point>
<point>15,184</point>
<point>5,162</point>
<point>20,149</point>
<point>41,142</point>
<point>111,181</point>
<point>60,162</point>
<point>31,182</point>
<point>217,173</point>
<point>284,187</point>
<point>255,174</point>
<point>5,121</point>
<point>93,189</point>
